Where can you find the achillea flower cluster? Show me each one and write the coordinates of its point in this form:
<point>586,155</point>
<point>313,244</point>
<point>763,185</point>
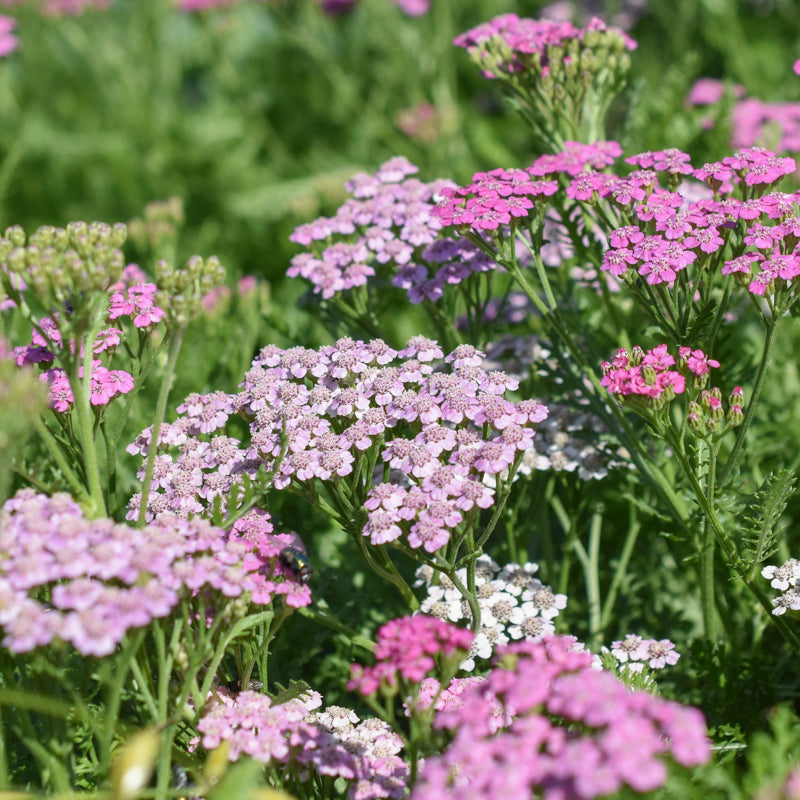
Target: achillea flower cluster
<point>634,653</point>
<point>8,42</point>
<point>88,582</point>
<point>574,732</point>
<point>406,649</point>
<point>386,230</point>
<point>647,383</point>
<point>63,8</point>
<point>508,45</point>
<point>513,605</point>
<point>666,234</point>
<point>786,579</point>
<point>301,740</point>
<point>493,199</point>
<point>439,433</point>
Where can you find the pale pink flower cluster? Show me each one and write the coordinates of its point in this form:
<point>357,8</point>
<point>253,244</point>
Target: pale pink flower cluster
<point>439,431</point>
<point>304,742</point>
<point>567,730</point>
<point>633,653</point>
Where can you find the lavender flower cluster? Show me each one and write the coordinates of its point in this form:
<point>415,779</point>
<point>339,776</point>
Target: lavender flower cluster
<point>302,740</point>
<point>513,605</point>
<point>546,722</point>
<point>315,415</point>
<point>386,230</point>
<point>88,582</point>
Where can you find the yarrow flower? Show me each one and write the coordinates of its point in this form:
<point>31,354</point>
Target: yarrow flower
<point>88,582</point>
<point>386,230</point>
<point>513,604</point>
<point>438,432</point>
<point>331,742</point>
<point>405,650</point>
<point>785,578</point>
<point>573,731</point>
<point>634,653</point>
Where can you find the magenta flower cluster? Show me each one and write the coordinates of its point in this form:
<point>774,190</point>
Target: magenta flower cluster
<point>441,431</point>
<point>88,582</point>
<point>132,298</point>
<point>301,740</point>
<point>406,650</point>
<point>665,233</point>
<point>387,229</point>
<point>574,732</point>
<point>524,44</point>
<point>492,200</point>
<point>650,373</point>
<point>496,199</point>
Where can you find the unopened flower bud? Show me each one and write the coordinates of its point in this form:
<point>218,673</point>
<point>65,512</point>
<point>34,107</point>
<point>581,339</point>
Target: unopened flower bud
<point>735,416</point>
<point>649,374</point>
<point>695,418</point>
<point>736,396</point>
<point>16,235</point>
<point>636,355</point>
<point>712,402</point>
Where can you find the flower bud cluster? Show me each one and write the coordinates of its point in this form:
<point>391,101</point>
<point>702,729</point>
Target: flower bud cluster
<point>388,231</point>
<point>513,605</point>
<point>88,582</point>
<point>562,77</point>
<point>574,731</point>
<point>162,219</point>
<point>332,742</point>
<point>181,291</point>
<point>63,268</point>
<point>438,432</point>
<point>548,54</point>
<point>406,650</point>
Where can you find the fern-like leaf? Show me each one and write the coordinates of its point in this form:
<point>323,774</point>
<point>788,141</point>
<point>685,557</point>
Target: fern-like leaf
<point>762,515</point>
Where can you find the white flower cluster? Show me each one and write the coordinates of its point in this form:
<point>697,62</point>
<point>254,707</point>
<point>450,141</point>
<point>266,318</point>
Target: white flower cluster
<point>786,577</point>
<point>633,654</point>
<point>513,604</point>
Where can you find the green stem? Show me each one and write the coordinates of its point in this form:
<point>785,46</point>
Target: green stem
<point>634,527</point>
<point>75,484</point>
<point>728,549</point>
<point>761,375</point>
<point>81,391</point>
<point>707,600</point>
<point>161,408</point>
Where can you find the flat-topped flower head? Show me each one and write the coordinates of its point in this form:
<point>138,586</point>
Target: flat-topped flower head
<point>562,724</point>
<point>386,231</point>
<point>88,582</point>
<point>440,419</point>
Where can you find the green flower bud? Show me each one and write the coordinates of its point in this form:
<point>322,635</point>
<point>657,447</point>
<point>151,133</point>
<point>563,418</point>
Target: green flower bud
<point>16,260</point>
<point>16,235</point>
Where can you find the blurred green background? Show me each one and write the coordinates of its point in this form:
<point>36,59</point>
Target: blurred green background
<point>254,114</point>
